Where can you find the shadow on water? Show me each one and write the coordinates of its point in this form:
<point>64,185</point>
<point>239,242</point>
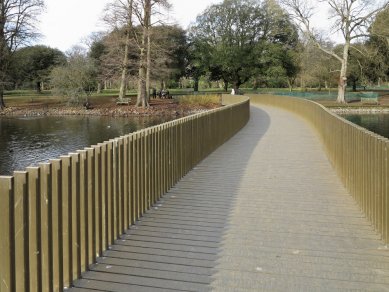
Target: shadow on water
<point>176,245</point>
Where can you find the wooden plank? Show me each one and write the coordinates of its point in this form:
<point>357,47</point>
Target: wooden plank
<point>97,202</point>
<point>21,230</point>
<point>75,247</point>
<point>103,213</point>
<point>155,265</point>
<point>90,206</point>
<point>126,185</point>
<point>65,207</point>
<point>114,287</point>
<point>83,207</point>
<point>115,188</point>
<point>33,229</point>
<point>131,166</point>
<point>120,182</point>
<point>7,275</point>
<point>56,224</point>
<point>46,259</point>
<point>109,194</point>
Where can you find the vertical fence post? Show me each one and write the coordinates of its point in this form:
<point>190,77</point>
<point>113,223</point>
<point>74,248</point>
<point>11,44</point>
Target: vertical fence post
<point>7,282</point>
<point>109,202</point>
<point>56,221</point>
<point>83,207</point>
<point>97,203</point>
<point>65,206</point>
<point>126,220</point>
<point>21,230</point>
<point>75,216</point>
<point>120,186</point>
<point>385,202</point>
<point>131,168</point>
<point>33,229</point>
<point>103,197</point>
<point>90,206</point>
<point>45,223</point>
<point>115,185</point>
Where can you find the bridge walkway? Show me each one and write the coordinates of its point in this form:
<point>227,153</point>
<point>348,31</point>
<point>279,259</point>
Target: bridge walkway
<point>264,212</point>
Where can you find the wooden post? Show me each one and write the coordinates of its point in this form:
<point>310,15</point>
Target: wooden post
<point>33,228</point>
<point>45,224</point>
<point>65,207</point>
<point>21,230</point>
<point>56,225</point>
<point>7,280</point>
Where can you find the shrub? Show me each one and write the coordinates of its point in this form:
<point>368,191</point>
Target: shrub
<point>202,100</point>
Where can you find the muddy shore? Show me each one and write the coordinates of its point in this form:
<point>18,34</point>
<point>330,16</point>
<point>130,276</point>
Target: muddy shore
<point>113,110</point>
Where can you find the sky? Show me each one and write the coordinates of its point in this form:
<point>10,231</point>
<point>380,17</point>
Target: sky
<point>66,23</point>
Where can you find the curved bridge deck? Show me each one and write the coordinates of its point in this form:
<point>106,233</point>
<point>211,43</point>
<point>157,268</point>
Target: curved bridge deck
<point>265,211</point>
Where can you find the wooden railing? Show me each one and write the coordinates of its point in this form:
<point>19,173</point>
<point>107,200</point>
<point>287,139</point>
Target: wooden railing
<point>55,219</point>
<point>359,156</point>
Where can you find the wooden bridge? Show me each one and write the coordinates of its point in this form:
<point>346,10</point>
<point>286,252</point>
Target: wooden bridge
<point>263,212</point>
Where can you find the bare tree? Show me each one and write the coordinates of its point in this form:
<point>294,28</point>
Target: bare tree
<point>350,17</point>
<point>119,17</point>
<point>144,10</point>
<point>128,15</point>
<point>17,27</point>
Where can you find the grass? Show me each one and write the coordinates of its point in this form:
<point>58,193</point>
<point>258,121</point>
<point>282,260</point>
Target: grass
<point>183,96</point>
<point>203,99</point>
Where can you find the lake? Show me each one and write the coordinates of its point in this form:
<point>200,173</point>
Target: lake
<point>377,123</point>
<point>26,141</point>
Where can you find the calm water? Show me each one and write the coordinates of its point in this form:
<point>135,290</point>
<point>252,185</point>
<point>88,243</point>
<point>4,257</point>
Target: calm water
<point>28,141</point>
<point>377,123</point>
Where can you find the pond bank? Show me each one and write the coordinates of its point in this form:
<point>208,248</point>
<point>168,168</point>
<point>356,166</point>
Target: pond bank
<point>359,110</point>
<point>156,108</point>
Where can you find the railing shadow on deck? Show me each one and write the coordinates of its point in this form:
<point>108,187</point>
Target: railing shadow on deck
<point>177,243</point>
<point>360,157</point>
<point>57,218</point>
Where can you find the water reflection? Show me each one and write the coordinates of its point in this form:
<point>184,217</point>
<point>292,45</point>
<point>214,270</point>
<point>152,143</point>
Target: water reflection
<point>377,123</point>
<point>28,141</point>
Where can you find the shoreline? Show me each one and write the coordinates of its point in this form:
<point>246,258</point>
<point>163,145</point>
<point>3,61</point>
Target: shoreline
<point>360,110</point>
<point>114,111</point>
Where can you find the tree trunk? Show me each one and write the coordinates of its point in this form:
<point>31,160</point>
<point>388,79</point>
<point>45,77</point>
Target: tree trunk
<point>354,85</point>
<point>196,84</point>
<point>142,94</point>
<point>141,100</point>
<point>236,87</point>
<point>255,84</point>
<point>343,74</point>
<point>225,86</point>
<point>38,87</point>
<point>148,68</point>
<point>290,85</point>
<point>2,103</point>
<point>123,79</point>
